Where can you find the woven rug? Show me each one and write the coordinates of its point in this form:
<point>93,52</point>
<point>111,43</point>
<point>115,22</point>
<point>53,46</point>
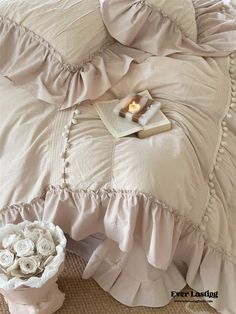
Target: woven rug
<point>86,297</point>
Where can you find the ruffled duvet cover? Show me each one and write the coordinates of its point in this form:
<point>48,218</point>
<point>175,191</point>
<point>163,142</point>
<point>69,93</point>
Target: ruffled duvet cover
<point>164,206</point>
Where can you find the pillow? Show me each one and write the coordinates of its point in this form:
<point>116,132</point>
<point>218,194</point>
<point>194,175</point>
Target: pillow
<point>181,12</point>
<point>59,49</point>
<point>160,27</point>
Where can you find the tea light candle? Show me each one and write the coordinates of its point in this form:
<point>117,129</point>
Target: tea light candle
<point>123,103</point>
<point>134,107</point>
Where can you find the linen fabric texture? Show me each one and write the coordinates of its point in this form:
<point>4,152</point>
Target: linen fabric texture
<point>44,300</point>
<point>60,56</point>
<point>155,32</point>
<point>165,205</point>
<point>179,13</point>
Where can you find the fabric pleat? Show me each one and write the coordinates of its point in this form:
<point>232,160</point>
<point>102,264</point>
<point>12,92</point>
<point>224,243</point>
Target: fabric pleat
<point>170,250</point>
<point>151,31</point>
<point>32,63</point>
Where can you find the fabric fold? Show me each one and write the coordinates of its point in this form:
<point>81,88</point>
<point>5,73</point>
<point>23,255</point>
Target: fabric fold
<point>119,216</point>
<point>194,263</point>
<point>154,32</point>
<point>129,278</point>
<point>148,235</point>
<point>45,300</point>
<point>32,63</point>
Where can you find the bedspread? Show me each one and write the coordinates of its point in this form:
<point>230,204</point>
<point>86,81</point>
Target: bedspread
<point>166,204</point>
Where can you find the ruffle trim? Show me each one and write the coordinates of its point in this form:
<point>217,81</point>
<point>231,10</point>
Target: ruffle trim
<point>117,214</point>
<point>131,280</point>
<point>190,33</point>
<point>154,32</point>
<point>32,63</point>
<point>174,251</point>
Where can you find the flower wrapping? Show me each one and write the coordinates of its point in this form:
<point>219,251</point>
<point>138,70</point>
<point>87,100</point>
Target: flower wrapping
<point>31,257</point>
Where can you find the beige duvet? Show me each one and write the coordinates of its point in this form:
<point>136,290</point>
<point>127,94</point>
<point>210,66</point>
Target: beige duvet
<point>166,205</point>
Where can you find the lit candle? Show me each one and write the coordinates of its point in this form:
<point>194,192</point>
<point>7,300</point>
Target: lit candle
<point>134,107</point>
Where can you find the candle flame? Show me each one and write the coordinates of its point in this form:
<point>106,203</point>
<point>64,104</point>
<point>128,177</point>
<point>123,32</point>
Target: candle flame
<point>134,107</point>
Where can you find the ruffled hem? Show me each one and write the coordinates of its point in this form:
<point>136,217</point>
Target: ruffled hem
<point>154,32</point>
<point>131,280</point>
<point>117,214</point>
<point>32,63</point>
<point>141,231</point>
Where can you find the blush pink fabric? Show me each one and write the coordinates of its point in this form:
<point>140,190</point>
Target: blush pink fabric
<point>135,24</point>
<point>32,63</point>
<point>121,188</point>
<point>170,253</point>
<point>26,300</point>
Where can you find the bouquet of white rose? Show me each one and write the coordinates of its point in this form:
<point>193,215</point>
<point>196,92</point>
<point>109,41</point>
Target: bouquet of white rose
<point>31,257</point>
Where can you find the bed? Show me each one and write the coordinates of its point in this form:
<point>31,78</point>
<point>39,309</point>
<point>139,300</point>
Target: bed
<point>150,215</point>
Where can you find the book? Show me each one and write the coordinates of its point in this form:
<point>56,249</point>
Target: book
<point>120,127</point>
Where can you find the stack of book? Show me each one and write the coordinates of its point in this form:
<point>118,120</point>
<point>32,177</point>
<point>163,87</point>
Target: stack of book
<point>131,115</point>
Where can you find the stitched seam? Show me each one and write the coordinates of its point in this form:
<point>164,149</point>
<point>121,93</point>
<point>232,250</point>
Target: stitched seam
<point>164,14</point>
<point>52,51</point>
<point>99,192</point>
<point>112,179</point>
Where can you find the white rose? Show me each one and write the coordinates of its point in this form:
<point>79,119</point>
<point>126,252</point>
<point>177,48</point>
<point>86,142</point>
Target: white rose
<point>9,241</point>
<point>28,265</point>
<point>6,258</point>
<point>34,233</point>
<point>24,267</point>
<point>45,247</point>
<point>24,247</point>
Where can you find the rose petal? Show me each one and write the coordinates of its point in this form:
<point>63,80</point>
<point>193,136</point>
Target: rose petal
<point>6,258</point>
<point>45,247</point>
<point>29,265</point>
<point>24,247</point>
